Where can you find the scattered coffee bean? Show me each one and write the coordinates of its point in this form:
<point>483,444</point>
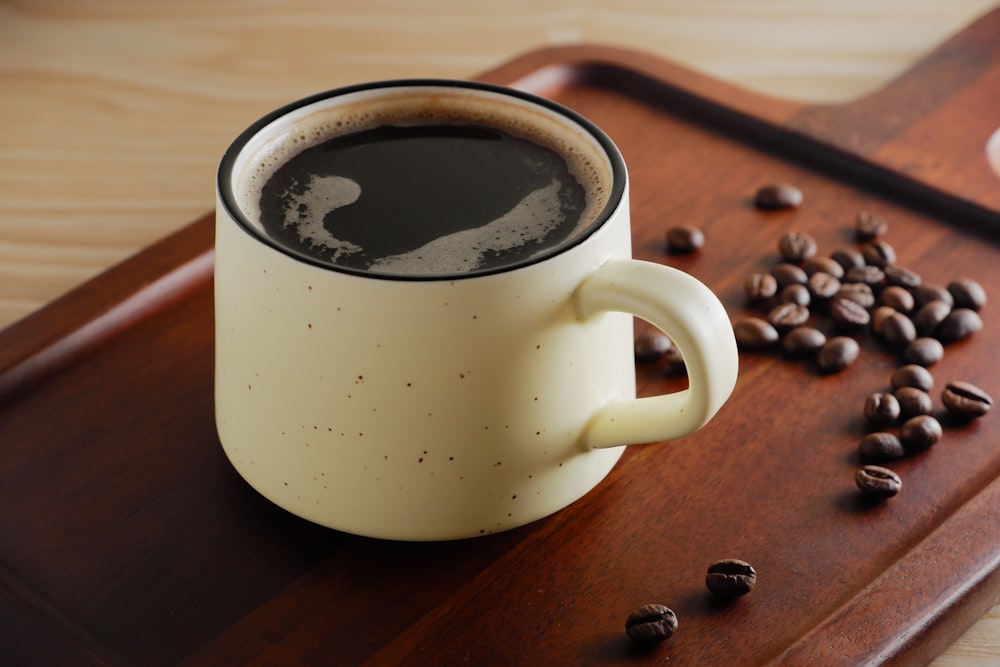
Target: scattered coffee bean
<point>897,298</point>
<point>838,353</point>
<point>913,402</point>
<point>919,433</point>
<point>860,293</point>
<point>789,274</point>
<point>881,446</point>
<point>967,293</point>
<point>900,277</point>
<point>651,623</point>
<point>796,247</point>
<point>797,294</point>
<point>930,315</point>
<point>878,253</point>
<point>869,275</point>
<point>897,330</point>
<point>879,316</point>
<point>912,375</point>
<point>684,239</point>
<point>786,316</point>
<point>926,292</point>
<point>924,351</point>
<point>823,286</point>
<point>848,258</point>
<point>878,482</point>
<point>868,226</point>
<point>966,400</point>
<point>760,287</point>
<point>650,346</point>
<point>753,333</point>
<point>958,325</point>
<point>730,578</point>
<point>777,196</point>
<point>826,265</point>
<point>848,312</point>
<point>881,409</point>
<point>803,340</point>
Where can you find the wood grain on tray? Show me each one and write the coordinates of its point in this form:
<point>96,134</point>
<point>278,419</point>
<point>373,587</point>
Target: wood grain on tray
<point>129,539</point>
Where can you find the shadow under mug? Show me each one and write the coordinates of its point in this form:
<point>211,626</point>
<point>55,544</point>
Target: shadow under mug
<point>436,407</point>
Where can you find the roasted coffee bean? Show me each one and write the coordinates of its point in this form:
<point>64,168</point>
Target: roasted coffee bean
<point>826,265</point>
<point>837,354</point>
<point>776,196</point>
<point>897,330</point>
<point>930,315</point>
<point>753,333</point>
<point>913,402</point>
<point>789,274</point>
<point>823,286</point>
<point>796,247</point>
<point>848,258</point>
<point>650,346</point>
<point>966,400</point>
<point>878,253</point>
<point>860,293</point>
<point>879,316</point>
<point>848,312</point>
<point>967,293</point>
<point>797,294</point>
<point>803,340</point>
<point>925,351</point>
<point>926,292</point>
<point>919,433</point>
<point>684,239</point>
<point>897,298</point>
<point>881,446</point>
<point>878,482</point>
<point>881,409</point>
<point>786,316</point>
<point>760,287</point>
<point>868,226</point>
<point>869,275</point>
<point>730,578</point>
<point>900,277</point>
<point>912,375</point>
<point>651,623</point>
<point>960,323</point>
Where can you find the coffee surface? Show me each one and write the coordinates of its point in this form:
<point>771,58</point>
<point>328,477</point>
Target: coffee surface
<point>424,199</point>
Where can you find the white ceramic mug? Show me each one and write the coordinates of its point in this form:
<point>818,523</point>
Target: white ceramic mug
<point>444,407</point>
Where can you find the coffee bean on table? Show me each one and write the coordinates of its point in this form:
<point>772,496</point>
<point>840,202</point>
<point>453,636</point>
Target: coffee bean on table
<point>924,351</point>
<point>795,293</point>
<point>837,354</point>
<point>650,346</point>
<point>869,275</point>
<point>930,315</point>
<point>878,253</point>
<point>897,330</point>
<point>967,293</point>
<point>803,340</point>
<point>912,375</point>
<point>881,446</point>
<point>796,247</point>
<point>919,433</point>
<point>881,409</point>
<point>753,333</point>
<point>958,325</point>
<point>848,312</point>
<point>760,287</point>
<point>823,285</point>
<point>776,196</point>
<point>899,277</point>
<point>879,316</point>
<point>684,239</point>
<point>926,292</point>
<point>848,258</point>
<point>787,273</point>
<point>860,293</point>
<point>730,578</point>
<point>651,623</point>
<point>785,316</point>
<point>897,298</point>
<point>826,265</point>
<point>913,402</point>
<point>965,400</point>
<point>878,482</point>
<point>868,226</point>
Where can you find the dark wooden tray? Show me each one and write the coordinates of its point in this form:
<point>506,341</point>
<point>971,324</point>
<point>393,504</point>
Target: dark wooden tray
<point>126,538</point>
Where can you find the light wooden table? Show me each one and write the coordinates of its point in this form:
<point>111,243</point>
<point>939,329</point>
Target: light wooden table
<point>113,113</point>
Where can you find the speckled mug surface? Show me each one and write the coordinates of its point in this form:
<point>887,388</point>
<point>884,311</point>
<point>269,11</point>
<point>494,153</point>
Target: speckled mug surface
<point>447,406</point>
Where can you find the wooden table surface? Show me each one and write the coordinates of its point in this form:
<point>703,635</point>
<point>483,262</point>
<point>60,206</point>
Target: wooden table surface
<point>113,114</point>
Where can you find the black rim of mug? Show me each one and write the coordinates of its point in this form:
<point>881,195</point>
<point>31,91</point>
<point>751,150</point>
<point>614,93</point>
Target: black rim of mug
<point>228,163</point>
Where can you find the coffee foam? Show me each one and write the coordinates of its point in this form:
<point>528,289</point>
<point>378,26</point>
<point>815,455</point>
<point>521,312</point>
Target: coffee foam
<point>419,105</point>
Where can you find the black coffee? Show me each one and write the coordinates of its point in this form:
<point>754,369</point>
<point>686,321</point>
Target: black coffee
<point>423,199</point>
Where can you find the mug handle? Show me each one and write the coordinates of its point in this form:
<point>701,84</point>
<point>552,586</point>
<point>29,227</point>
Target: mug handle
<point>694,318</point>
